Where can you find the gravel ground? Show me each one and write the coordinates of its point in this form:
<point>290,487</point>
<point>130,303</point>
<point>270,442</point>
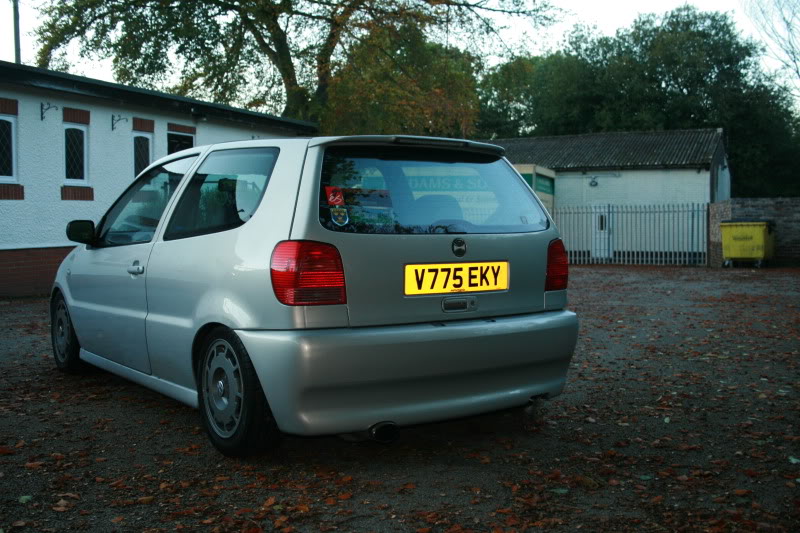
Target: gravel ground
<point>681,412</point>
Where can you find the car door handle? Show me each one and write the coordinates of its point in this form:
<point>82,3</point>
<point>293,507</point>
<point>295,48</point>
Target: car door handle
<point>136,269</point>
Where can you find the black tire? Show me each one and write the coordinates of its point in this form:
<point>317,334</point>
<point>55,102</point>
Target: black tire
<point>233,407</point>
<point>66,348</point>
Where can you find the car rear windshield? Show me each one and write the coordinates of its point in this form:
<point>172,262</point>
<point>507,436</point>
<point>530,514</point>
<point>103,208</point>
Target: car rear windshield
<point>404,190</point>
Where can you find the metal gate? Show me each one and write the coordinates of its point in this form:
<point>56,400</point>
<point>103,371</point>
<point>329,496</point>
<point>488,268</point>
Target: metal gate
<point>675,234</point>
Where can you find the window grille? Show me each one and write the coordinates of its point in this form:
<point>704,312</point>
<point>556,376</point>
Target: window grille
<point>141,153</point>
<point>6,148</point>
<point>74,140</point>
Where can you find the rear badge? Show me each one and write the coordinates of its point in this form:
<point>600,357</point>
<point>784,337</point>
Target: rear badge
<point>459,247</point>
<point>339,216</point>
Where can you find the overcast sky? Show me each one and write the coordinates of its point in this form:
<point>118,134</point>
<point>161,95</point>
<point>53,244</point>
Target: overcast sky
<point>608,16</point>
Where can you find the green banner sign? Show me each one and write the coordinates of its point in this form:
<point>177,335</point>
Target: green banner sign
<point>544,184</point>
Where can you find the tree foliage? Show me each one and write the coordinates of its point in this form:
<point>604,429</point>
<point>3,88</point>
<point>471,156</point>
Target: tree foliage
<point>395,81</point>
<point>686,69</point>
<point>241,51</point>
<point>507,98</point>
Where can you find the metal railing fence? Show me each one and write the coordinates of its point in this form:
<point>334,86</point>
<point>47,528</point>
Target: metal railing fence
<point>667,234</point>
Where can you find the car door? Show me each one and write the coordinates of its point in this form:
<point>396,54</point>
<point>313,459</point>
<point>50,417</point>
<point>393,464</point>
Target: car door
<point>107,279</point>
<point>199,274</point>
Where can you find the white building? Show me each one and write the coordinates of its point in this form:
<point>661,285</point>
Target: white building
<point>70,145</point>
<point>629,168</point>
<point>631,196</point>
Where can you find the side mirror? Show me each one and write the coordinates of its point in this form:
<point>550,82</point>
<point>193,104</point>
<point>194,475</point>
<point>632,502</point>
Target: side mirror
<point>81,231</point>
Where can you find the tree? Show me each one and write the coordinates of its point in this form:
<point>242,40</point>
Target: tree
<point>685,69</point>
<point>506,98</point>
<point>520,97</point>
<point>395,81</point>
<point>692,69</point>
<point>240,51</point>
<point>779,23</point>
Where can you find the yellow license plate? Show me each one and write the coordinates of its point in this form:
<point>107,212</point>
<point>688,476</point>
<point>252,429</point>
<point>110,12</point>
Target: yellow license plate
<point>445,278</point>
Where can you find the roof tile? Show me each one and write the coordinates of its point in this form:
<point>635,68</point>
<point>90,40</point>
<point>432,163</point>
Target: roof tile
<point>617,150</point>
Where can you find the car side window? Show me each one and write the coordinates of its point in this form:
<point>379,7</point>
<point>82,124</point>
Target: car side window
<point>224,193</point>
<point>134,216</point>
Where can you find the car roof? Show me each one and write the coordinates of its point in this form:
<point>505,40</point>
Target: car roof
<point>413,140</point>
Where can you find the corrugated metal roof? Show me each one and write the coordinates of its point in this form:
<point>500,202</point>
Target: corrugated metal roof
<point>619,150</point>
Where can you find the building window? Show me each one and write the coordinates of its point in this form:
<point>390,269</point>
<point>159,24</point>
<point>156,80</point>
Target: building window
<point>142,153</point>
<point>178,141</point>
<point>7,144</point>
<point>75,152</point>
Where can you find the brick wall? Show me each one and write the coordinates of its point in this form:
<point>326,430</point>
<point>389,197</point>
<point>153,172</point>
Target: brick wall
<point>785,212</point>
<point>29,272</point>
<point>717,212</point>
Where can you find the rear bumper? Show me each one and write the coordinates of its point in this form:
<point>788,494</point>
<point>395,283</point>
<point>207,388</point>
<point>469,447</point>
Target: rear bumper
<point>347,379</point>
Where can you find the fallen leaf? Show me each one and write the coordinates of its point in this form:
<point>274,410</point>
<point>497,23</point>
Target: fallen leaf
<point>25,499</point>
<point>269,502</point>
<point>145,499</point>
<point>407,487</point>
<point>587,482</point>
<point>5,450</point>
<point>118,519</point>
<point>61,506</point>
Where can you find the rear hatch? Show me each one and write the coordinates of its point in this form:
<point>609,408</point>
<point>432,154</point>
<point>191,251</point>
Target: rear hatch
<point>428,232</point>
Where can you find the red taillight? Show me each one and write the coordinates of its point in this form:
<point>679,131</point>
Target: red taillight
<point>307,273</point>
<point>557,267</point>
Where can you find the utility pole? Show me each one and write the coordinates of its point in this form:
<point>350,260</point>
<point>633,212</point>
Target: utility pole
<point>16,31</point>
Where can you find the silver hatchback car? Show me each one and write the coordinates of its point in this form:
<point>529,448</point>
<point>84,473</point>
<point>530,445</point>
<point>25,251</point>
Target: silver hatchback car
<point>322,286</point>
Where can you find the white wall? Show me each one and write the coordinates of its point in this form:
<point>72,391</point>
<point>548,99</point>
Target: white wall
<point>41,218</point>
<point>632,187</point>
